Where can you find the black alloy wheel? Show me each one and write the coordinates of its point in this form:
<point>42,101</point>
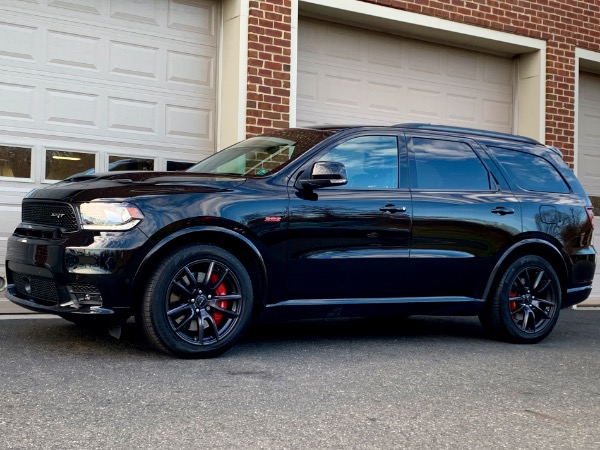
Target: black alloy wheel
<point>526,303</point>
<point>198,303</point>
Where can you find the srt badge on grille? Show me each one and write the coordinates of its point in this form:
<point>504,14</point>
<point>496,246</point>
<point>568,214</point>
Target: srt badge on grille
<point>57,215</point>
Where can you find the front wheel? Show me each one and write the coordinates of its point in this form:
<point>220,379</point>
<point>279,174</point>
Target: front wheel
<point>526,302</point>
<point>198,302</point>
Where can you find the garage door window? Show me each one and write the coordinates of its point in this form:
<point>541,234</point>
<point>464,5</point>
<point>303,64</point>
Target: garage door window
<point>15,162</point>
<point>62,164</point>
<point>119,163</point>
<point>178,165</point>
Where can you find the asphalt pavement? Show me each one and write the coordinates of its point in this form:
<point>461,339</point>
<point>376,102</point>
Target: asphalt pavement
<point>423,382</point>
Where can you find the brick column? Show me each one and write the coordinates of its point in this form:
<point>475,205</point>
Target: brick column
<point>269,59</point>
<point>560,98</point>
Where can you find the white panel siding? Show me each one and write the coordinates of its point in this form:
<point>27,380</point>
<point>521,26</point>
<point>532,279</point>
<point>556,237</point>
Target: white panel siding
<point>350,75</point>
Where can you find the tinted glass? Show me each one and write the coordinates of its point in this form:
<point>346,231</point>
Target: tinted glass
<point>448,165</point>
<point>262,155</point>
<point>371,161</point>
<point>530,172</point>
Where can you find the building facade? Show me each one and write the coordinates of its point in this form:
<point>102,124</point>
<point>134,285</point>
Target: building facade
<point>157,84</point>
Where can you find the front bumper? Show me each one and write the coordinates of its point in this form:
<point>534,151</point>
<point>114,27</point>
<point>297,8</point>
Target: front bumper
<point>83,274</point>
<point>62,310</point>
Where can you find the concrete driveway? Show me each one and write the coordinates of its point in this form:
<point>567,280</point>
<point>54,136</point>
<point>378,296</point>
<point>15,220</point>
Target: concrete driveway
<point>417,383</point>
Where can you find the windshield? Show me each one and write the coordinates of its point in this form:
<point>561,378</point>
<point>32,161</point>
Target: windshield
<point>262,155</point>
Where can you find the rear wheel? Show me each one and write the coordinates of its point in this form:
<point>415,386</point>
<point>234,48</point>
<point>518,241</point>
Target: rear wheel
<point>526,302</point>
<point>198,302</point>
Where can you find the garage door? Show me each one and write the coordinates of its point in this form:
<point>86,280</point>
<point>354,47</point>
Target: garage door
<point>349,75</point>
<point>589,132</point>
<point>102,85</point>
<point>588,147</point>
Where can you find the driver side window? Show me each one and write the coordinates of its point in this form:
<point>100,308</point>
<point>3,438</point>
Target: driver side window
<point>371,161</point>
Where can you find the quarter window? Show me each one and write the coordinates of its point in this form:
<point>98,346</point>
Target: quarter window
<point>371,161</point>
<point>530,172</point>
<point>448,165</point>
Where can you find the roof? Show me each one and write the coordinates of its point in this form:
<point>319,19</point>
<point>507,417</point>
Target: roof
<point>469,131</point>
<point>441,128</point>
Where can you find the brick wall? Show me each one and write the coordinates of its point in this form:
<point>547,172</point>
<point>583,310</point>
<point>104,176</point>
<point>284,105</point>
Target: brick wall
<point>564,25</point>
<point>269,44</point>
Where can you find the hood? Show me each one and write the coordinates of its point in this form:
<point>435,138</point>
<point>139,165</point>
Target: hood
<point>119,185</point>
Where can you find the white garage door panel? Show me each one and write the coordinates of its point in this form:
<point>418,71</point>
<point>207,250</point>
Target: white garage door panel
<point>179,16</point>
<point>124,78</point>
<point>588,147</point>
<point>351,75</point>
<point>89,82</point>
<point>589,132</point>
<point>43,103</point>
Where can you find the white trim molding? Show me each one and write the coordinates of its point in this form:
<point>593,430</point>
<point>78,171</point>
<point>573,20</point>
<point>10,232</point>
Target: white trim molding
<point>233,72</point>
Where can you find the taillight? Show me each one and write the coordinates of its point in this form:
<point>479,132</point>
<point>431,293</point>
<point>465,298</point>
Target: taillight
<point>590,213</point>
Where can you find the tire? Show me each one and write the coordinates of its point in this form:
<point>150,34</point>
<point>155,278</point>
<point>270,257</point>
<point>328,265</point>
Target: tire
<point>525,304</point>
<point>198,302</point>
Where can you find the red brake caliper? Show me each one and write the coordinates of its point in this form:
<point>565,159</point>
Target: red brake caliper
<point>512,304</point>
<point>220,290</point>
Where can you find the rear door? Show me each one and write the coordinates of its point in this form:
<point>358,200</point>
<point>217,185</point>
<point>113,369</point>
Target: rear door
<point>464,214</point>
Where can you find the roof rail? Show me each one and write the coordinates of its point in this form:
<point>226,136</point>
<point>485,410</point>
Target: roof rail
<point>462,130</point>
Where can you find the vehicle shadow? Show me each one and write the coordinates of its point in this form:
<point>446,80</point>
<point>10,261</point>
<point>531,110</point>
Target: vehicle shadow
<point>280,334</point>
<point>57,336</point>
<point>405,328</point>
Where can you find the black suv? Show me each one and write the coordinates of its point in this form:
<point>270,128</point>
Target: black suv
<point>309,223</point>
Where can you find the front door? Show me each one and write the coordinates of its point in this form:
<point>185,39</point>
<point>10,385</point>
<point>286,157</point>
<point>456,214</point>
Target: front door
<point>352,241</point>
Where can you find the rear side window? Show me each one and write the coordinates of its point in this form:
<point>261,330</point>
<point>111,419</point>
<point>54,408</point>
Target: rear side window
<point>530,172</point>
<point>449,165</point>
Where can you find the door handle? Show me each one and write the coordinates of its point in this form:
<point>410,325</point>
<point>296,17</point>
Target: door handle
<point>392,209</point>
<point>503,211</point>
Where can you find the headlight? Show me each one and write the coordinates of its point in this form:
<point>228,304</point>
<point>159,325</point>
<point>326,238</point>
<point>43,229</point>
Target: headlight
<point>109,216</point>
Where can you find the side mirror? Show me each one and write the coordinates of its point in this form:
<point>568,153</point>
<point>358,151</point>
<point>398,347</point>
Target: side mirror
<point>325,174</point>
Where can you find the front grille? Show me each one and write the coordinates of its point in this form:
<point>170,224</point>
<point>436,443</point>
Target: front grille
<point>61,215</point>
<point>40,289</point>
<point>82,288</point>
